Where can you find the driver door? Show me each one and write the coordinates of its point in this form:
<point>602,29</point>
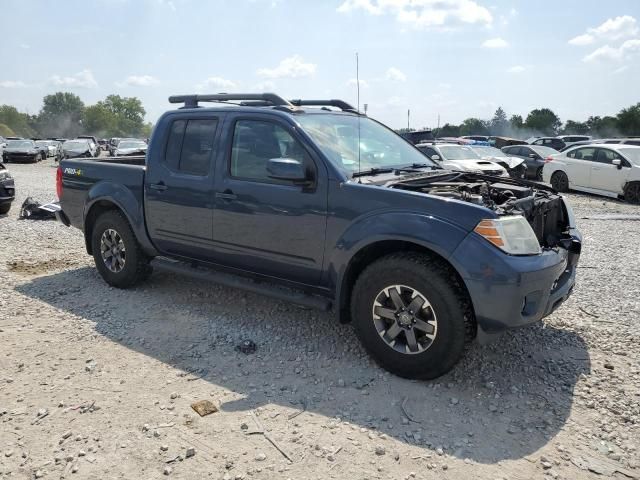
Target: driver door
<point>605,175</point>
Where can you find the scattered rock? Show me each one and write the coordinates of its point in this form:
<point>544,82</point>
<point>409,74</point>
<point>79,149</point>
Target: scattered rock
<point>190,452</point>
<point>204,407</point>
<point>247,347</point>
<point>380,450</point>
<point>261,457</point>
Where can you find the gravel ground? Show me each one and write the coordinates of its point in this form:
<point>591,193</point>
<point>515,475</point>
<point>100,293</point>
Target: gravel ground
<point>98,383</point>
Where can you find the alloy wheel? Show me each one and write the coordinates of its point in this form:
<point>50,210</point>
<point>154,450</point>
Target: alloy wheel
<point>112,250</point>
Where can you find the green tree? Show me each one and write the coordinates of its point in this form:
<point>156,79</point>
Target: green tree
<point>572,126</point>
<point>448,130</point>
<point>543,120</point>
<point>516,122</point>
<point>17,121</point>
<point>499,122</point>
<point>6,131</point>
<point>603,126</point>
<point>61,115</point>
<point>128,112</point>
<point>629,120</point>
<point>100,121</point>
<point>474,126</point>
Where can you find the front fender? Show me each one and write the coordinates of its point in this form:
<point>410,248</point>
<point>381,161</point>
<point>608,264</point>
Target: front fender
<point>433,233</point>
<point>128,203</point>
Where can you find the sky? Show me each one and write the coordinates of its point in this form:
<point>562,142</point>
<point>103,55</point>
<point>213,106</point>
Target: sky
<point>447,59</point>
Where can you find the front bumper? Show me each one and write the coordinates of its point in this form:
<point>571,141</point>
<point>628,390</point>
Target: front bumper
<point>514,291</point>
<point>19,157</point>
<point>7,191</point>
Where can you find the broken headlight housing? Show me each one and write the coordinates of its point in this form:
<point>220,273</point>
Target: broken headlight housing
<point>511,234</point>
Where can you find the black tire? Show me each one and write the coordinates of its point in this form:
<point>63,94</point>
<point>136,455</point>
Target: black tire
<point>5,208</point>
<point>447,299</point>
<point>539,174</point>
<point>136,264</point>
<point>632,192</point>
<point>560,181</point>
<point>37,158</point>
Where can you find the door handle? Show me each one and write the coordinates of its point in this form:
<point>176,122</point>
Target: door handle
<point>161,187</point>
<point>226,195</point>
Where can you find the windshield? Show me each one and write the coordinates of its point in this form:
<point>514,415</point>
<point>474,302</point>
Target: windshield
<point>458,152</point>
<point>488,151</point>
<point>75,144</point>
<point>42,143</point>
<point>132,145</point>
<point>543,151</point>
<point>632,154</point>
<point>380,147</point>
<point>19,144</point>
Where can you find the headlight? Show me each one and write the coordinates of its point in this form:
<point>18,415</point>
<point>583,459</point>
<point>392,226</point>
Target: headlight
<point>5,175</point>
<point>513,235</point>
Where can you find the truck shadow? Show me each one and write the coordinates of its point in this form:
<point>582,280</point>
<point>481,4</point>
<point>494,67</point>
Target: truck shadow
<point>503,401</point>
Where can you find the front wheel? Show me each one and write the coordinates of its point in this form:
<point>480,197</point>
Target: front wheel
<point>560,181</point>
<point>4,209</point>
<point>116,251</point>
<point>632,193</point>
<point>37,158</point>
<point>411,315</point>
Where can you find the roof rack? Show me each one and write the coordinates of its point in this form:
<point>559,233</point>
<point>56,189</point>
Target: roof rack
<point>341,104</point>
<point>248,99</point>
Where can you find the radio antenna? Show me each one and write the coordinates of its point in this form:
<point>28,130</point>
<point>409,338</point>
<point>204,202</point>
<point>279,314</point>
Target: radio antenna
<point>358,101</point>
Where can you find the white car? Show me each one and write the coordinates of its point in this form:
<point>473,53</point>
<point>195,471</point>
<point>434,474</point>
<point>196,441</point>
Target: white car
<point>460,158</point>
<point>609,170</point>
<point>515,166</point>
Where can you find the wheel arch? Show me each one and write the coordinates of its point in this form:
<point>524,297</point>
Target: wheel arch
<point>381,248</point>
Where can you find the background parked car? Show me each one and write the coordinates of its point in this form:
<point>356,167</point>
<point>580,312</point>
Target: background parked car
<point>80,147</point>
<point>515,166</point>
<point>95,149</point>
<point>610,170</point>
<point>551,142</point>
<point>48,148</point>
<point>500,142</point>
<point>22,151</point>
<point>460,158</point>
<point>128,147</point>
<point>534,157</point>
<point>7,190</point>
<point>573,139</point>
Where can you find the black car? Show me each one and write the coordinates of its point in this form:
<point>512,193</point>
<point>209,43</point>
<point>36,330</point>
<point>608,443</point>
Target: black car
<point>22,151</point>
<point>77,148</point>
<point>7,190</point>
<point>551,142</point>
<point>534,156</point>
<point>127,147</point>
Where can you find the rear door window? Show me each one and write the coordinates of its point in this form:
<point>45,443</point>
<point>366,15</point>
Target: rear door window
<point>190,145</point>
<point>606,156</point>
<point>587,153</point>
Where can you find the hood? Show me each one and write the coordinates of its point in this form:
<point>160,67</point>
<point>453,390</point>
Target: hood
<point>472,166</point>
<point>510,162</point>
<point>76,152</point>
<point>129,151</point>
<point>21,149</point>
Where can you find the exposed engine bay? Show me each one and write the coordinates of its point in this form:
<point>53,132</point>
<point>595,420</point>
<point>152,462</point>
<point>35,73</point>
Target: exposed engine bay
<point>539,204</point>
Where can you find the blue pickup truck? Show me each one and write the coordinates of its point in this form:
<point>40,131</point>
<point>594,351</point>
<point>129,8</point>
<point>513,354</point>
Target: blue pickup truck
<point>313,202</point>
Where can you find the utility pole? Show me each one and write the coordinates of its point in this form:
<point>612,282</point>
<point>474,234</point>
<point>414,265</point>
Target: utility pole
<point>408,118</point>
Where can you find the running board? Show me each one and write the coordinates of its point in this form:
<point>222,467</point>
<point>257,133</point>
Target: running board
<point>237,281</point>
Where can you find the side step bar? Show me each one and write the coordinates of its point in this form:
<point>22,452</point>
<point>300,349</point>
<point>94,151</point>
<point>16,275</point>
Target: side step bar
<point>236,281</point>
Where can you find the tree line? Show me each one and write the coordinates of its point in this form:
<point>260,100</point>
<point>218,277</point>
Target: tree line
<point>543,121</point>
<point>64,115</point>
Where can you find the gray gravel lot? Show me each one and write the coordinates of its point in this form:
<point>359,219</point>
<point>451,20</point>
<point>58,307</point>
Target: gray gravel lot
<point>97,383</point>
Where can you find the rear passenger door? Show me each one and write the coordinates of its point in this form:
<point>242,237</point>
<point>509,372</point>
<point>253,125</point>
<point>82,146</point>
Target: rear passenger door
<point>179,186</point>
<point>579,163</point>
<point>271,227</point>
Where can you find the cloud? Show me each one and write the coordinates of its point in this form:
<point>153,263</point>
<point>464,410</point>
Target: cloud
<point>517,69</point>
<point>217,82</point>
<point>138,81</point>
<point>290,67</point>
<point>621,53</point>
<point>352,82</point>
<point>13,84</point>
<point>611,29</point>
<point>395,75</point>
<point>266,86</point>
<point>25,46</point>
<point>83,79</point>
<point>423,13</point>
<point>495,43</point>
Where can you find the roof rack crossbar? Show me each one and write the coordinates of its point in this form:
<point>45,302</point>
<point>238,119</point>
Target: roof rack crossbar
<point>341,104</point>
<point>191,101</point>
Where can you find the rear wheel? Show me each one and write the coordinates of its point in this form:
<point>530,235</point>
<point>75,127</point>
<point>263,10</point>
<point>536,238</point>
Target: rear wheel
<point>5,208</point>
<point>560,182</point>
<point>410,314</point>
<point>116,251</point>
<point>37,158</point>
<point>632,193</point>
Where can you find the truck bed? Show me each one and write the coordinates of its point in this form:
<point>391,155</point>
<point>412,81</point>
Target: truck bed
<point>84,179</point>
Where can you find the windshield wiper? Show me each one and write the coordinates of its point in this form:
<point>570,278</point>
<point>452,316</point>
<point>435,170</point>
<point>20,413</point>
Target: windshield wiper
<point>415,167</point>
<point>372,171</point>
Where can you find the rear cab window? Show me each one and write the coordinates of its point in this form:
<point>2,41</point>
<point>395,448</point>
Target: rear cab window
<point>190,145</point>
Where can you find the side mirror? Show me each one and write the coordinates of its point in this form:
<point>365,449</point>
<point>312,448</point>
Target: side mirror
<point>617,163</point>
<point>435,158</point>
<point>286,169</point>
<point>533,155</point>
